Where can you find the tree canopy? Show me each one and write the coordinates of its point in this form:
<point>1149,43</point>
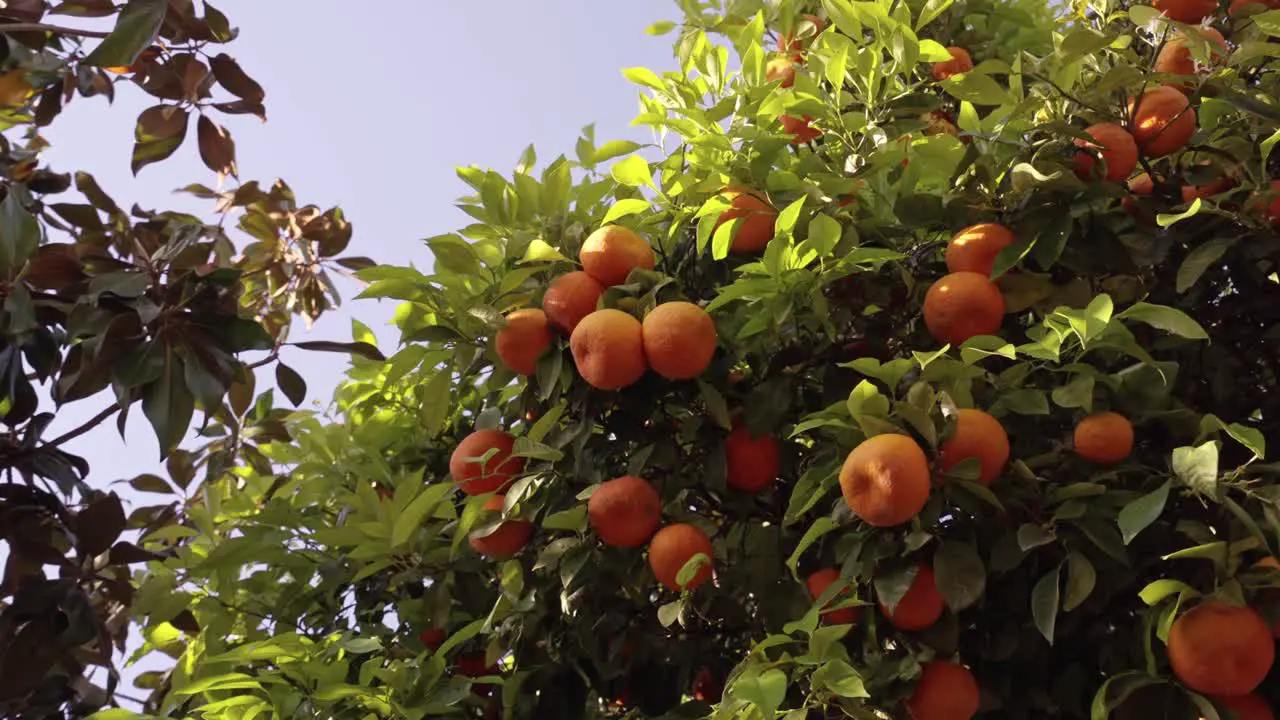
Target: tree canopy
<point>923,366</point>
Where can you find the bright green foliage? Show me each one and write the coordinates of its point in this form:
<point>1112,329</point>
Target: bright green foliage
<point>313,580</point>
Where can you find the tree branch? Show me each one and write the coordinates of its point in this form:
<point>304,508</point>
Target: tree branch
<point>90,424</point>
<point>60,30</point>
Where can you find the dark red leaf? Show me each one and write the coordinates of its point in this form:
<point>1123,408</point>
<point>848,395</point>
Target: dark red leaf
<point>230,76</point>
<point>54,267</point>
<point>159,132</point>
<point>126,553</point>
<point>362,349</point>
<point>99,524</point>
<point>357,263</point>
<point>291,384</point>
<point>243,107</point>
<point>217,149</point>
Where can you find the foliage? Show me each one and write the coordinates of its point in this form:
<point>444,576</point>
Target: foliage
<point>129,308</point>
<point>312,578</point>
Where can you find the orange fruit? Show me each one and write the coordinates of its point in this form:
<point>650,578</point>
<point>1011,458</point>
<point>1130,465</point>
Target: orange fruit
<point>962,305</point>
<point>608,349</point>
<point>781,68</point>
<point>625,511</point>
<point>801,128</point>
<point>508,539</point>
<point>758,218</point>
<point>523,339</point>
<point>945,691</point>
<point>939,123</point>
<point>1141,184</point>
<point>1163,121</point>
<point>753,462</point>
<point>1175,57</point>
<point>1105,438</point>
<point>570,298</point>
<point>1114,145</point>
<point>1192,12</point>
<point>974,249</point>
<point>432,637</point>
<point>612,252</point>
<point>790,41</point>
<point>921,606</point>
<point>679,340</point>
<point>885,480</point>
<point>1221,649</point>
<point>672,548</point>
<point>1245,707</point>
<point>1209,189</point>
<point>817,583</point>
<point>495,473</point>
<point>978,435</point>
<point>1271,210</point>
<point>960,62</point>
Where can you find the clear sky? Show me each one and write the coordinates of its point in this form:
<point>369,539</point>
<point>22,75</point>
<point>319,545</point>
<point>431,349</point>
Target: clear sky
<point>371,106</point>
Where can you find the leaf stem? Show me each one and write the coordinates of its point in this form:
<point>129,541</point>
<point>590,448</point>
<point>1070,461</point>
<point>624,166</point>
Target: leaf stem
<point>41,27</point>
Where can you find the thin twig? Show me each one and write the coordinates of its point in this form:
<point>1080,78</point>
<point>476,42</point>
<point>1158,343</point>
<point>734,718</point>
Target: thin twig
<point>41,27</point>
<point>86,427</point>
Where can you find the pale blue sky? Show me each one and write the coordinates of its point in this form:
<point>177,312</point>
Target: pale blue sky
<point>371,106</point>
<point>372,110</point>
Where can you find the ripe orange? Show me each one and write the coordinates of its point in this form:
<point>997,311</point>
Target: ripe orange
<point>1191,12</point>
<point>625,511</point>
<point>758,218</point>
<point>940,123</point>
<point>679,340</point>
<point>1141,184</point>
<point>1221,649</point>
<point>817,583</point>
<point>1105,438</point>
<point>612,252</point>
<point>781,68</point>
<point>510,537</point>
<point>921,606</point>
<point>962,305</point>
<point>674,546</point>
<point>1163,120</point>
<point>1175,57</point>
<point>753,462</point>
<point>1246,707</point>
<point>1209,189</point>
<point>791,42</point>
<point>974,249</point>
<point>885,480</point>
<point>960,62</point>
<point>1114,145</point>
<point>981,436</point>
<point>802,128</point>
<point>570,298</point>
<point>495,473</point>
<point>432,637</point>
<point>1271,211</point>
<point>945,691</point>
<point>608,349</point>
<point>523,339</point>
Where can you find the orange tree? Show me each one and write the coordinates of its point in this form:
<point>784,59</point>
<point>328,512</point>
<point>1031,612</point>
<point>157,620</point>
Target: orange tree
<point>922,367</point>
<point>129,312</point>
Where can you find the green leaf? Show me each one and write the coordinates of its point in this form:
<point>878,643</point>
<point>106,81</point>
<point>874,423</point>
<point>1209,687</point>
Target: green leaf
<point>1139,514</point>
<point>1081,579</point>
<point>632,172</point>
<point>644,76</point>
<point>1078,393</point>
<point>820,527</point>
<point>960,576</point>
<point>422,507</point>
<point>1156,591</point>
<point>291,384</point>
<point>977,88</point>
<point>137,27</point>
<point>1164,220</point>
<point>1025,402</point>
<point>169,404</point>
<point>1198,468</point>
<point>19,232</point>
<point>840,678</point>
<point>437,401</point>
<point>623,208</point>
<point>1033,535</point>
<point>1165,318</point>
<point>766,690</point>
<point>690,569</point>
<point>613,149</point>
<point>1044,603</point>
<point>1200,259</point>
<point>716,404</point>
<point>363,349</point>
<point>930,12</point>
